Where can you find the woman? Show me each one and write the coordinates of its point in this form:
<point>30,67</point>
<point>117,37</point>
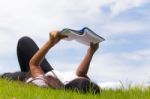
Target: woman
<point>32,60</point>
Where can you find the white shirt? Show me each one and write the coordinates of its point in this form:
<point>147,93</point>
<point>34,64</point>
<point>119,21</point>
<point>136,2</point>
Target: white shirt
<point>63,77</point>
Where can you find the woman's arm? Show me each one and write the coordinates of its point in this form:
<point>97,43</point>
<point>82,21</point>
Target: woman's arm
<point>83,68</point>
<point>35,61</point>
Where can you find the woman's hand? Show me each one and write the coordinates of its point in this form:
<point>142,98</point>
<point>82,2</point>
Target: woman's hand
<point>93,47</point>
<point>55,37</point>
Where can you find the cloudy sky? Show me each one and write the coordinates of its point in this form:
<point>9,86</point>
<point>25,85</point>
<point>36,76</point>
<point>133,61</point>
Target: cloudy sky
<point>125,24</point>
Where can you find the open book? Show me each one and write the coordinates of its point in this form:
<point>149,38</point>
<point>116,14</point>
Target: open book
<point>84,36</point>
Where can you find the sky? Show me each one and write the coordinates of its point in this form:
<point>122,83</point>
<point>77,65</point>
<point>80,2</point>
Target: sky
<point>125,24</point>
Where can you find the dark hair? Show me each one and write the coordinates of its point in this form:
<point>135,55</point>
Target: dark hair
<point>83,85</point>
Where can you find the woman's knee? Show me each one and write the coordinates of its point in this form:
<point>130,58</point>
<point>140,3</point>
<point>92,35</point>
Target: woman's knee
<point>26,42</point>
<point>24,39</point>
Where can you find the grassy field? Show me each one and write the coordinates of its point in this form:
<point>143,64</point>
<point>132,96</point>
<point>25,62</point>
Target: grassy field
<point>18,90</point>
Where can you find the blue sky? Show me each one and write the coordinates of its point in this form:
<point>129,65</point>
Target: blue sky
<point>125,24</point>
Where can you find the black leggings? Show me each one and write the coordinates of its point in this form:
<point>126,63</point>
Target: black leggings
<point>26,48</point>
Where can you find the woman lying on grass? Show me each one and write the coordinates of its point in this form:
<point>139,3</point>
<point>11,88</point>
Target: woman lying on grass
<point>36,69</point>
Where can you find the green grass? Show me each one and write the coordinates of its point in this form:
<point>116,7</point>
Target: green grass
<point>18,90</point>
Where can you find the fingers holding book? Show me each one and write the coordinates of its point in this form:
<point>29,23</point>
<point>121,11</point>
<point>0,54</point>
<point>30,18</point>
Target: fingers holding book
<point>94,46</point>
<point>55,37</point>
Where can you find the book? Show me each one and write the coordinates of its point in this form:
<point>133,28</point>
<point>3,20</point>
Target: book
<point>84,36</point>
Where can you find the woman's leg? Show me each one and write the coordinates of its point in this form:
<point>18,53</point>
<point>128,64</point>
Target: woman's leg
<point>21,76</point>
<point>26,48</point>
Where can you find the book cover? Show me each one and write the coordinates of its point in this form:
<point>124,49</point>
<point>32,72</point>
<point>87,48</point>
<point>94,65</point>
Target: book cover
<point>84,36</point>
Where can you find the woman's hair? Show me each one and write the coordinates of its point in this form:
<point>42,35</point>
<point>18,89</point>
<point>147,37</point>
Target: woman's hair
<point>53,82</point>
<point>83,85</point>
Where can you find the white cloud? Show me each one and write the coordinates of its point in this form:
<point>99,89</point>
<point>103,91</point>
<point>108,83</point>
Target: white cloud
<point>121,67</point>
<point>125,27</point>
<point>7,43</point>
<point>142,55</point>
<point>112,85</point>
<point>8,65</point>
<point>123,5</point>
<point>33,18</point>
